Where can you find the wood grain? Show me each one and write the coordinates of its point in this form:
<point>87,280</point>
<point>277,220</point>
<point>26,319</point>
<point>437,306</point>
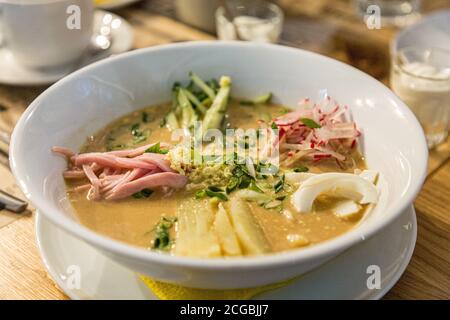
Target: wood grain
<point>22,275</point>
<point>428,274</point>
<point>327,27</point>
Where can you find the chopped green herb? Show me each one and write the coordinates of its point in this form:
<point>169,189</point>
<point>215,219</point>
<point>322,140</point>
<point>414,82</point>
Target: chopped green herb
<point>244,182</point>
<point>310,123</point>
<point>138,135</point>
<point>216,194</point>
<point>144,193</point>
<point>280,198</point>
<point>301,169</point>
<point>135,130</point>
<point>274,126</point>
<point>156,148</point>
<point>279,185</point>
<point>253,186</point>
<point>162,239</point>
<point>141,138</point>
<point>212,192</point>
<point>232,184</point>
<point>200,194</point>
<point>215,189</point>
<point>145,117</point>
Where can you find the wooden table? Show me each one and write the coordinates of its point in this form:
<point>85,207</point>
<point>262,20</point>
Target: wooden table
<point>327,27</point>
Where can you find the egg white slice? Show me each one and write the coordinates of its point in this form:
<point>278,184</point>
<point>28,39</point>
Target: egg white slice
<point>345,185</point>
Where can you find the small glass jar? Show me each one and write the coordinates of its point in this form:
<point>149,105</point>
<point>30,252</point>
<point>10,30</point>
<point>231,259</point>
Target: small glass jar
<point>257,21</point>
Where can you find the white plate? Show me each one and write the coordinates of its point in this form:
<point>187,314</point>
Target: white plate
<point>432,31</point>
<point>345,277</point>
<point>15,74</point>
<point>115,4</point>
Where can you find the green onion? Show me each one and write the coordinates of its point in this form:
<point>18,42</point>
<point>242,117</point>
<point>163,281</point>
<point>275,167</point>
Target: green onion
<point>135,130</point>
<point>310,123</point>
<point>200,194</point>
<point>212,192</point>
<point>145,117</point>
<point>274,126</point>
<point>244,182</point>
<point>162,239</point>
<point>253,186</point>
<point>279,185</point>
<point>138,135</point>
<point>216,194</point>
<point>232,184</point>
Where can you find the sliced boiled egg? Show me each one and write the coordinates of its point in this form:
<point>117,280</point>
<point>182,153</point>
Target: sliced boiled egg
<point>346,209</point>
<point>343,185</point>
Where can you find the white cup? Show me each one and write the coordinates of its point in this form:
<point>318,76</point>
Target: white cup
<point>46,33</point>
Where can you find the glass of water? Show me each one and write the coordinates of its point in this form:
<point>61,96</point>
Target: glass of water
<point>249,20</point>
<point>421,78</point>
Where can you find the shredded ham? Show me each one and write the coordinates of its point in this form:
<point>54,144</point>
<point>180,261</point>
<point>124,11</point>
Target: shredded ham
<point>298,141</point>
<point>119,174</point>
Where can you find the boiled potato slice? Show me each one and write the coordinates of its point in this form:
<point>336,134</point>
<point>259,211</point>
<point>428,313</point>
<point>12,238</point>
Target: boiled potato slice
<point>195,233</point>
<point>249,232</point>
<point>225,232</point>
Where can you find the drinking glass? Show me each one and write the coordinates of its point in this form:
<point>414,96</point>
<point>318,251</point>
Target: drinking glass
<point>421,78</point>
<point>251,20</point>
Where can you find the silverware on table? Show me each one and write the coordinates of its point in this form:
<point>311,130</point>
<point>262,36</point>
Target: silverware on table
<point>8,201</point>
<point>11,203</point>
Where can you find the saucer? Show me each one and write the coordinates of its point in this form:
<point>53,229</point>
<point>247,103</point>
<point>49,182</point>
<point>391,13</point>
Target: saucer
<point>345,277</point>
<point>15,74</point>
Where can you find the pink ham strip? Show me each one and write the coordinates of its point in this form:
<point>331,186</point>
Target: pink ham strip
<point>63,151</point>
<point>166,179</point>
<point>157,160</point>
<point>74,174</point>
<point>117,174</point>
<point>83,187</point>
<point>133,175</point>
<point>94,192</point>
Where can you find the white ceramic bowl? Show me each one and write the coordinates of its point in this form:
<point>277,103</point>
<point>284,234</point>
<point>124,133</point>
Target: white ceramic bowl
<point>88,99</point>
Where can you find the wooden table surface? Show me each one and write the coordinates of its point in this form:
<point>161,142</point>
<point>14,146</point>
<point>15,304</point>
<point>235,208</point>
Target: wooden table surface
<point>327,27</point>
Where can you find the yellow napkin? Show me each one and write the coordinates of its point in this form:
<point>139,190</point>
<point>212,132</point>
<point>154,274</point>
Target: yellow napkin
<point>167,291</point>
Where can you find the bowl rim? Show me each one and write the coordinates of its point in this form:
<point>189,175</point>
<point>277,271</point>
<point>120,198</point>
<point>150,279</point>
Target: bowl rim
<point>291,257</point>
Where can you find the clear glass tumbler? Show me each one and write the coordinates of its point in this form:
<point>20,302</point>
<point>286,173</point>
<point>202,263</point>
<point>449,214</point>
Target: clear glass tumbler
<point>421,78</point>
<point>251,20</point>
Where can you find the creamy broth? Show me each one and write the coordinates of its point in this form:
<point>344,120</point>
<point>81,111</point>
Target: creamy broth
<point>133,220</point>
